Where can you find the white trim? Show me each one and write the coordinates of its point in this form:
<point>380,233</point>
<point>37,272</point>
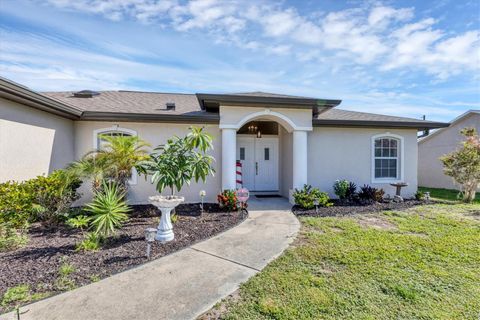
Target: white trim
<point>286,121</point>
<point>115,128</point>
<point>402,158</point>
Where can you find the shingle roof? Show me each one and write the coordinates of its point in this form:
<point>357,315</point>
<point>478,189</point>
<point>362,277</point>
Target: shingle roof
<point>139,105</point>
<point>334,116</point>
<point>132,102</point>
<point>339,114</point>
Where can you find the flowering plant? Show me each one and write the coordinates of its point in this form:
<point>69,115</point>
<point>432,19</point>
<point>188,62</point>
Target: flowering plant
<point>228,200</point>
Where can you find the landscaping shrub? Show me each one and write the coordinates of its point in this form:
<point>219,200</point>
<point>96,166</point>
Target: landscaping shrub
<point>340,188</point>
<point>351,192</point>
<point>345,190</point>
<point>370,194</point>
<point>228,200</point>
<point>420,195</point>
<point>16,205</point>
<point>306,197</point>
<point>53,195</point>
<point>109,210</point>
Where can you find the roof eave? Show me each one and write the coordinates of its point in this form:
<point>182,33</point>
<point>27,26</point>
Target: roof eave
<point>17,93</point>
<point>379,124</point>
<point>282,102</point>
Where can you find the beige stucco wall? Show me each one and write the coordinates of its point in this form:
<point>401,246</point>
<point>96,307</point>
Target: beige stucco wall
<point>155,134</point>
<point>430,168</point>
<point>346,153</point>
<point>32,142</point>
<point>302,118</point>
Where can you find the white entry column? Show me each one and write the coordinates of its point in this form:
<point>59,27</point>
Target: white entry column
<point>300,154</point>
<point>229,154</point>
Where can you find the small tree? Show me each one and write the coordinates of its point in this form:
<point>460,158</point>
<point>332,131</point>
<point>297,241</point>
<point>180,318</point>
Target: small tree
<point>180,161</point>
<point>463,165</point>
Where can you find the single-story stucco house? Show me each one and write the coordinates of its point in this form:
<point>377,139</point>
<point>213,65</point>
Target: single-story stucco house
<point>282,141</point>
<point>439,143</point>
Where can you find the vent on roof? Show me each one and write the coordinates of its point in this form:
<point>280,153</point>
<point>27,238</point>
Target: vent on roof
<point>170,105</point>
<point>86,94</point>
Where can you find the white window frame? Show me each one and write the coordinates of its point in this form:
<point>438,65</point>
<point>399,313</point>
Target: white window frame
<point>400,154</point>
<point>116,128</point>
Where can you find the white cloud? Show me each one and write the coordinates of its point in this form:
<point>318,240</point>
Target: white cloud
<point>381,36</point>
<point>382,15</point>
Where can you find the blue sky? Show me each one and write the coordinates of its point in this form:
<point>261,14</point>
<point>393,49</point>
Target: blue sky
<point>405,58</point>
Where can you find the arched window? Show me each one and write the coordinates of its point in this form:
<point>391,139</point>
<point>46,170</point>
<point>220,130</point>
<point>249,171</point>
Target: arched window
<point>387,158</point>
<point>115,131</point>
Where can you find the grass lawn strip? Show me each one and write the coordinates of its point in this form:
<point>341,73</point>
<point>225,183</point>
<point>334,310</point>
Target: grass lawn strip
<point>424,267</point>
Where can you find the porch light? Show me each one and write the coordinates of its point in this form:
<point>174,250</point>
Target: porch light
<point>259,134</point>
<point>150,238</point>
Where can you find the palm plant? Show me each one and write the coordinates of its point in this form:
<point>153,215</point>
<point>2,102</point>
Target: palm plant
<point>108,209</point>
<point>113,162</point>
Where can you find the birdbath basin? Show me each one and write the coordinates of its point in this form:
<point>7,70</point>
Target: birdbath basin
<point>398,186</point>
<point>165,204</point>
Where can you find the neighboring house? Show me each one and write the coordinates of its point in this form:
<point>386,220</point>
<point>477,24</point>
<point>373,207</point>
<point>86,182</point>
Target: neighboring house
<point>282,141</point>
<point>439,143</point>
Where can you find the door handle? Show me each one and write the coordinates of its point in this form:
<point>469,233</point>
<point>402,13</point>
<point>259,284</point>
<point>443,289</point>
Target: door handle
<point>256,168</point>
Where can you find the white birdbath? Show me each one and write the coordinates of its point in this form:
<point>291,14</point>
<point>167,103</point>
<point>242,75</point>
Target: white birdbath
<point>165,204</point>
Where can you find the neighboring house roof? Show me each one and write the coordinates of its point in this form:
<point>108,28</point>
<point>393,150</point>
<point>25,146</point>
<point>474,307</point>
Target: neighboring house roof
<point>454,121</point>
<point>154,106</point>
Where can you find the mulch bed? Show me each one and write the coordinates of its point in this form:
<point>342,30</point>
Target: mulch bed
<point>343,209</point>
<point>37,264</point>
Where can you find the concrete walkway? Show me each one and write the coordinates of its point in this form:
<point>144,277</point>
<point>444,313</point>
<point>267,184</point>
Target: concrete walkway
<point>184,284</point>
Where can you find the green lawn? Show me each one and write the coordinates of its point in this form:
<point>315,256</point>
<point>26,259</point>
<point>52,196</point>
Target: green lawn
<point>423,263</point>
<point>445,194</point>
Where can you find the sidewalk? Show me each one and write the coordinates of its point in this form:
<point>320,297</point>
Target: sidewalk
<point>184,284</point>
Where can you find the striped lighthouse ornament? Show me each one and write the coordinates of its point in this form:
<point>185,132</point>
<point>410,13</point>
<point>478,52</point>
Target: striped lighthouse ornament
<point>238,171</point>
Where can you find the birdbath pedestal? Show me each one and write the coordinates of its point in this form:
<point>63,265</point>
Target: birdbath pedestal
<point>165,205</point>
<point>399,186</point>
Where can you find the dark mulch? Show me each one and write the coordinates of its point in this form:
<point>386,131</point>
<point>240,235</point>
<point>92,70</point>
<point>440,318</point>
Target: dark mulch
<point>343,209</point>
<point>37,264</point>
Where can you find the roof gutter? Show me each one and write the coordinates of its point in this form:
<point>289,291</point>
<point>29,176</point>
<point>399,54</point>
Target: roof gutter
<point>147,117</point>
<point>419,125</point>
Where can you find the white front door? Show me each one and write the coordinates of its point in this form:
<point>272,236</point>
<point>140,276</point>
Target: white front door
<point>259,158</point>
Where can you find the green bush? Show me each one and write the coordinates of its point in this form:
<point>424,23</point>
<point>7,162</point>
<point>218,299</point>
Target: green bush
<point>306,197</point>
<point>420,195</point>
<point>16,205</point>
<point>228,200</point>
<point>53,195</point>
<point>340,188</point>
<point>109,210</point>
<point>44,199</point>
